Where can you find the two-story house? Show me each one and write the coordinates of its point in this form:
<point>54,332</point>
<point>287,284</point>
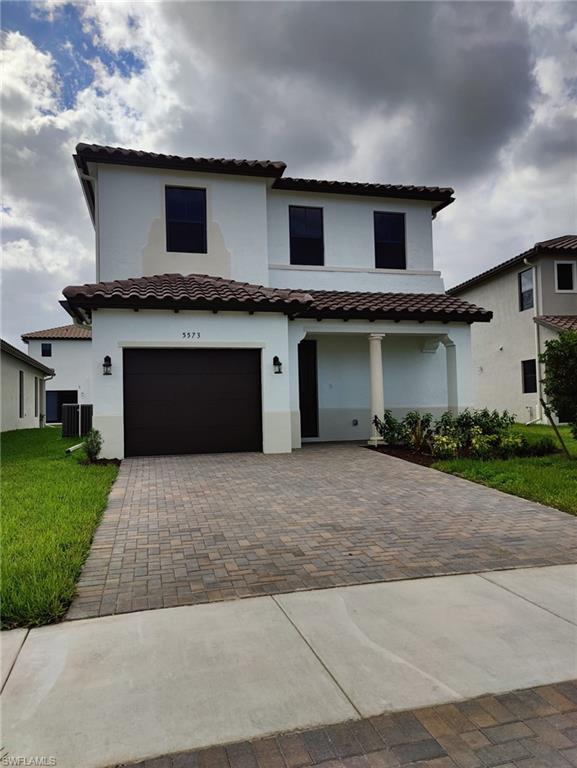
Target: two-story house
<point>238,309</point>
<point>68,350</point>
<point>533,296</point>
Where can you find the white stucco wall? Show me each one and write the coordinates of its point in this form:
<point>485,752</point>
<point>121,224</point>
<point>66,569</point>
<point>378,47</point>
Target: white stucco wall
<point>248,233</point>
<point>114,330</point>
<point>131,220</point>
<point>499,347</point>
<point>414,378</point>
<point>554,302</point>
<point>349,245</point>
<point>10,368</point>
<point>72,363</point>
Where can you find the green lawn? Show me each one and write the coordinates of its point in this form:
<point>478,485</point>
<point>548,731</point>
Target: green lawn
<point>51,505</point>
<point>550,480</point>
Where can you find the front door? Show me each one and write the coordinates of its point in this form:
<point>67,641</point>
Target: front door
<point>308,388</point>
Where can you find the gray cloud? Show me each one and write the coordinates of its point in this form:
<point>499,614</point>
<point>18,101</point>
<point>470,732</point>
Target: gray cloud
<point>475,95</point>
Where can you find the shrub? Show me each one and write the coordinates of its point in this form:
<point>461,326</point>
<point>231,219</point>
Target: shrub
<point>482,446</point>
<point>541,447</point>
<point>93,445</point>
<point>389,428</point>
<point>560,360</point>
<point>476,432</point>
<point>444,446</point>
<point>417,432</point>
<point>512,445</point>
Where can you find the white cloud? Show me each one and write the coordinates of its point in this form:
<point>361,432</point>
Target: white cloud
<point>469,95</point>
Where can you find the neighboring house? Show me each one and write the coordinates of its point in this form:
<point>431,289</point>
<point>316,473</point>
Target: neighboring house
<point>238,309</point>
<point>68,350</point>
<point>532,296</point>
<point>23,380</point>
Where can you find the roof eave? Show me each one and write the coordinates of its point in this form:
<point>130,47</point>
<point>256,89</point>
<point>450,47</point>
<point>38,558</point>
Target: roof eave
<point>418,317</point>
<point>179,164</point>
<point>87,186</point>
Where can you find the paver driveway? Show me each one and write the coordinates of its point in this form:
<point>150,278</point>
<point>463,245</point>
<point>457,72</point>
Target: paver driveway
<point>189,529</point>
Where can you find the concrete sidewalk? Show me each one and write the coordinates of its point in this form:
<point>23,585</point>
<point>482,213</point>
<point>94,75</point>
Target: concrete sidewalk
<point>98,692</point>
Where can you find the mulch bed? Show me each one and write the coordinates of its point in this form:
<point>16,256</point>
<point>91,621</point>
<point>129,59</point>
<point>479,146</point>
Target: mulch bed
<point>424,459</point>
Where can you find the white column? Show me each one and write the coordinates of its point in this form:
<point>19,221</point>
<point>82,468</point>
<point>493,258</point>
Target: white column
<point>452,387</point>
<point>377,389</point>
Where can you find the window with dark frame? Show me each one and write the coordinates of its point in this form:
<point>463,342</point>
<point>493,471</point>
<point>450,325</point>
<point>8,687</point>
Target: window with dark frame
<point>46,349</point>
<point>565,275</point>
<point>306,235</point>
<point>36,396</point>
<point>185,220</point>
<point>21,394</point>
<point>529,370</point>
<point>525,289</point>
<point>390,240</point>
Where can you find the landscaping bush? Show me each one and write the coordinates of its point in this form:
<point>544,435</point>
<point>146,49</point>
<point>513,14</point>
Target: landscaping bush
<point>479,434</point>
<point>389,428</point>
<point>93,445</point>
<point>416,430</point>
<point>560,360</point>
<point>541,447</point>
<point>444,446</point>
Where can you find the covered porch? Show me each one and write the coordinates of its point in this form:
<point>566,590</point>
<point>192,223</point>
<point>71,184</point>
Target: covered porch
<point>343,373</point>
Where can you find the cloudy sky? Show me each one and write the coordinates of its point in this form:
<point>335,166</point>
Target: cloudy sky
<point>480,96</point>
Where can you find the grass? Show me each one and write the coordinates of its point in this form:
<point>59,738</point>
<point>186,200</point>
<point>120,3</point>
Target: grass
<point>51,505</point>
<point>550,480</point>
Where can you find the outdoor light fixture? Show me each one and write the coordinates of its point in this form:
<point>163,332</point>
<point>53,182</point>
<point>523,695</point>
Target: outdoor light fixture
<point>107,366</point>
<point>276,364</point>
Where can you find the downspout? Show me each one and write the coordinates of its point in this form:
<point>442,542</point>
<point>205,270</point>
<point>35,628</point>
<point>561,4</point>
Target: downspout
<point>536,313</point>
<point>42,416</point>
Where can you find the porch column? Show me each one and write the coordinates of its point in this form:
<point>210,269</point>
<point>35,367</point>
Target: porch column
<point>377,389</point>
<point>452,387</point>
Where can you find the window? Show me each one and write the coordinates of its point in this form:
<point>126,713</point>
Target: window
<point>565,275</point>
<point>529,368</point>
<point>185,220</point>
<point>46,350</point>
<point>306,235</point>
<point>21,394</point>
<point>36,396</point>
<point>390,241</point>
<point>525,289</point>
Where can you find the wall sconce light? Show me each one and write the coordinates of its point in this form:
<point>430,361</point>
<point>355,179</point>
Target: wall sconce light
<point>276,364</point>
<point>107,366</point>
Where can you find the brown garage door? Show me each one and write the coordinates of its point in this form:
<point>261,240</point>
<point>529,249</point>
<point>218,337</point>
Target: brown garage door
<point>191,401</point>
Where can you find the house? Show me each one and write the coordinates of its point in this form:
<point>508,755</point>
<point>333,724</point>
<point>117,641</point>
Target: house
<point>533,296</point>
<point>23,381</point>
<point>238,309</point>
<point>68,350</point>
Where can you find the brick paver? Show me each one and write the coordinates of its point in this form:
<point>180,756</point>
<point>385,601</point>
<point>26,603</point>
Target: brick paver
<point>448,736</point>
<point>189,529</point>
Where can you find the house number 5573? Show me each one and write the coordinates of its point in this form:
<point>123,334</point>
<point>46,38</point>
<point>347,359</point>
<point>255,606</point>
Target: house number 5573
<point>191,334</point>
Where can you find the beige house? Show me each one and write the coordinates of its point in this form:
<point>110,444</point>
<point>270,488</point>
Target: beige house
<point>533,297</point>
<point>23,389</point>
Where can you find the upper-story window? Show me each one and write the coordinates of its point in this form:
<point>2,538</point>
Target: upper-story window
<point>21,394</point>
<point>306,235</point>
<point>565,276</point>
<point>185,220</point>
<point>46,349</point>
<point>525,289</point>
<point>529,375</point>
<point>390,241</point>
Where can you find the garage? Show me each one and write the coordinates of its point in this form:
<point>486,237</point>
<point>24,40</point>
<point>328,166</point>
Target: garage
<point>179,401</point>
